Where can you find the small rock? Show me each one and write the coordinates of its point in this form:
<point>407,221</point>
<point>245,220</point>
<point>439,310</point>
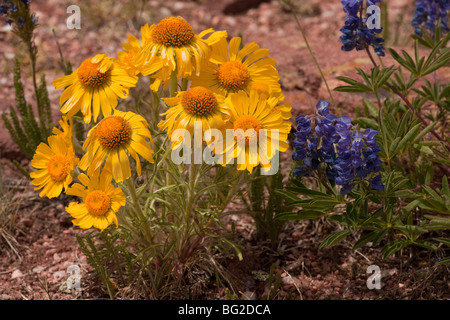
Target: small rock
<point>249,295</point>
<point>16,274</point>
<point>56,258</point>
<point>38,269</point>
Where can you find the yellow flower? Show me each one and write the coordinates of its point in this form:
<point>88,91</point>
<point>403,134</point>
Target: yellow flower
<point>110,142</point>
<point>96,85</point>
<point>101,201</point>
<point>195,104</point>
<point>231,69</point>
<point>174,40</point>
<point>267,130</point>
<point>55,163</point>
<point>133,47</point>
<point>66,131</point>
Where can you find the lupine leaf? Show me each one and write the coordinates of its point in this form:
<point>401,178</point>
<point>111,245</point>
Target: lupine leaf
<point>335,238</point>
<point>394,246</point>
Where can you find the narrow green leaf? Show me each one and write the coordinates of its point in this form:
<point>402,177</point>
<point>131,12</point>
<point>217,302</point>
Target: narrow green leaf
<point>444,241</point>
<point>364,239</point>
<point>366,123</point>
<point>335,238</point>
<point>394,246</point>
<point>426,244</point>
<point>444,260</point>
<point>408,139</point>
<point>393,149</point>
<point>445,187</point>
<point>300,215</point>
<point>370,107</point>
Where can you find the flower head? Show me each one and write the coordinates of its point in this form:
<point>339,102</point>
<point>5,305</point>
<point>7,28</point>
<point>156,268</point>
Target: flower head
<point>427,14</point>
<point>196,104</point>
<point>355,33</point>
<point>110,142</point>
<point>96,85</point>
<point>259,131</point>
<point>133,48</point>
<point>344,152</point>
<point>174,41</point>
<point>231,69</point>
<point>101,201</point>
<point>55,162</point>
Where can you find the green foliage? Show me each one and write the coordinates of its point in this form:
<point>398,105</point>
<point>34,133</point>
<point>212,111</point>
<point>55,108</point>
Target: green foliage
<point>414,148</point>
<point>264,212</point>
<point>25,131</point>
<point>9,207</point>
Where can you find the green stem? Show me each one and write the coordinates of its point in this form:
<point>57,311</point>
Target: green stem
<point>313,56</point>
<point>378,100</point>
<point>137,207</point>
<point>173,85</point>
<point>184,84</point>
<point>232,192</point>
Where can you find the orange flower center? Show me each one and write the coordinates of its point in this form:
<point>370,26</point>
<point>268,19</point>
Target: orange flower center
<point>173,31</point>
<point>245,123</point>
<point>97,202</point>
<point>58,167</point>
<point>90,75</point>
<point>199,101</point>
<point>113,132</point>
<point>233,75</point>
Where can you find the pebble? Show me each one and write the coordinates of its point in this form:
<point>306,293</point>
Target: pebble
<point>38,269</point>
<point>56,258</point>
<point>16,274</point>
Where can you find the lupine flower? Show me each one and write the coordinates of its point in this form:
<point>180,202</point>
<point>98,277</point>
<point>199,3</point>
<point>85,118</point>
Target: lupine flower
<point>21,21</point>
<point>427,14</point>
<point>355,33</point>
<point>346,153</point>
